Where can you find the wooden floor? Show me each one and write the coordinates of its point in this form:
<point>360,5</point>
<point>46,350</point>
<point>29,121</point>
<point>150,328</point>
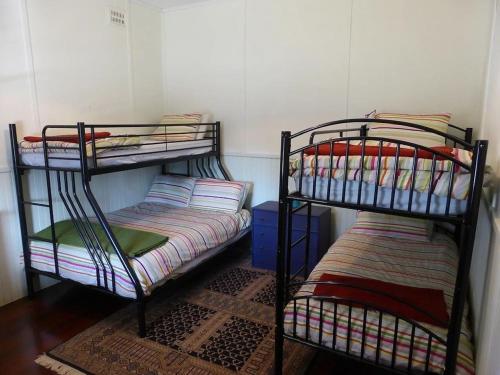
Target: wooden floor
<point>31,327</point>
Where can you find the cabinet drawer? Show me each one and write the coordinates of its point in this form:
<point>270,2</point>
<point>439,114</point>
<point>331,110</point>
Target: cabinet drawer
<point>263,257</point>
<point>300,222</point>
<point>262,217</point>
<point>270,218</point>
<point>265,236</point>
<point>264,245</point>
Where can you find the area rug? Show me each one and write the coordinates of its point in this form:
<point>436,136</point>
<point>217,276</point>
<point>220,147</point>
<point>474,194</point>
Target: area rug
<point>220,323</point>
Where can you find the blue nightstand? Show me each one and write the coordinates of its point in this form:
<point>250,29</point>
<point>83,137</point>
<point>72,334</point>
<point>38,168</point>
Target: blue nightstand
<point>265,236</point>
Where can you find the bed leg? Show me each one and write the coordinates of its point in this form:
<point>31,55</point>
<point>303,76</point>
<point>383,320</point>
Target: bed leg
<point>278,353</point>
<point>141,318</point>
<point>30,285</point>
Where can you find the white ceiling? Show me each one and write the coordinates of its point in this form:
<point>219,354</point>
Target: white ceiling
<point>163,4</point>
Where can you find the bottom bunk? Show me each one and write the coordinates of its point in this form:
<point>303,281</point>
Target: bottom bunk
<point>194,235</point>
<point>382,299</point>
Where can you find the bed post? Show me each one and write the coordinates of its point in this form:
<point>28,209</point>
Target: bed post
<point>218,151</point>
<point>280,262</point>
<point>140,298</point>
<point>466,246</point>
<point>20,206</point>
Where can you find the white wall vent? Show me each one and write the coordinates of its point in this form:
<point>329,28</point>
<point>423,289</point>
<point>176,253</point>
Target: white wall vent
<point>117,17</point>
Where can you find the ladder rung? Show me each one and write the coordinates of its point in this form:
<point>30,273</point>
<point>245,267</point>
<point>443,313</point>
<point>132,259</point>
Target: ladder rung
<point>36,204</point>
<point>295,243</point>
<point>293,276</point>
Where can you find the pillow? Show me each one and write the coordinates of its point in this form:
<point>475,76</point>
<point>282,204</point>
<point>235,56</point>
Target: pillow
<point>203,128</point>
<point>170,133</point>
<point>405,228</point>
<point>437,122</point>
<point>175,191</point>
<point>248,187</point>
<point>220,195</point>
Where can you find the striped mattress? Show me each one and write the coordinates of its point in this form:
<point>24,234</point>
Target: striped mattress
<point>417,264</point>
<point>191,234</point>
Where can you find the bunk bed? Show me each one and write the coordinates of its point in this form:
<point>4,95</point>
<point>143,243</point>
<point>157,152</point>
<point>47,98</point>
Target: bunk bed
<point>357,302</point>
<point>175,237</point>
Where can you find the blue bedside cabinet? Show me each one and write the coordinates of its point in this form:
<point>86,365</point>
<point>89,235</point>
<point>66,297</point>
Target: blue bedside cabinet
<point>265,236</point>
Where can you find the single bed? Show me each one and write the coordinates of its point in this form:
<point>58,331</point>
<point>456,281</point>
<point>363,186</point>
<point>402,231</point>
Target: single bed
<point>193,235</point>
<point>397,305</point>
<point>430,264</point>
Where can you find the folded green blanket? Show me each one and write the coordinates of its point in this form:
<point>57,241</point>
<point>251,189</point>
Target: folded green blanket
<point>133,242</point>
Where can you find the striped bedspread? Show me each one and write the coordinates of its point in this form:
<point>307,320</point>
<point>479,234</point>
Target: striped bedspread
<point>416,264</point>
<point>191,232</point>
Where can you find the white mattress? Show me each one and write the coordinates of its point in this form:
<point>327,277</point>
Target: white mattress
<point>118,156</point>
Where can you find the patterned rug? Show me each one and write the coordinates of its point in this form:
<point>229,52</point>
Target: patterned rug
<point>222,323</point>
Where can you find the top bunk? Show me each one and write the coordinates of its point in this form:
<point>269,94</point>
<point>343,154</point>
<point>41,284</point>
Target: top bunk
<point>386,165</point>
<point>98,148</point>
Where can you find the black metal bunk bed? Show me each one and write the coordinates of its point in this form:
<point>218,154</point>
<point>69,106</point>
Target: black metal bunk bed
<point>463,224</point>
<point>201,154</point>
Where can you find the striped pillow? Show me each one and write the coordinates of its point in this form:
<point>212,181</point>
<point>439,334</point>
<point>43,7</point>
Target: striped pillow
<point>221,195</point>
<point>437,122</point>
<point>174,191</point>
<point>405,228</point>
<point>186,132</point>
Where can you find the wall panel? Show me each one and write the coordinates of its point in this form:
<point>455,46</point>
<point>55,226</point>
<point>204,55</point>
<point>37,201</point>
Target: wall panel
<point>419,57</point>
<point>203,64</point>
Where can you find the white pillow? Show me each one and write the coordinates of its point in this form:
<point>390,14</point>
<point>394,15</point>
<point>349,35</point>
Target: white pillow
<point>174,191</point>
<point>437,122</point>
<point>181,132</point>
<point>206,117</point>
<point>405,228</point>
<point>220,195</point>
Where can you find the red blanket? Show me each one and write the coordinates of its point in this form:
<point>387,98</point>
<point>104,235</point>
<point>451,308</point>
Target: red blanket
<point>429,300</point>
<point>339,149</point>
<point>70,138</point>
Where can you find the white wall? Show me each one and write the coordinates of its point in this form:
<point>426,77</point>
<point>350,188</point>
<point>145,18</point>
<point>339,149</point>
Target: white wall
<point>62,62</point>
<point>488,360</point>
<point>264,66</point>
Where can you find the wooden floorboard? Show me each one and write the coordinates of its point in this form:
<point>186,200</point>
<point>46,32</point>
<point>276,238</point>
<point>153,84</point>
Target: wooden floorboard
<point>31,327</point>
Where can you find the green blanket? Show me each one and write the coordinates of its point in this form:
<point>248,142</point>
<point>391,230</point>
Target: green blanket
<point>133,242</point>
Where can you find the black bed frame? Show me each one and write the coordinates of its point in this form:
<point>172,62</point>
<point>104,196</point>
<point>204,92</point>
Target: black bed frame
<point>464,232</point>
<point>207,164</point>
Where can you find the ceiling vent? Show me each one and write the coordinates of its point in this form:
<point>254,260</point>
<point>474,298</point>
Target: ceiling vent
<point>117,17</point>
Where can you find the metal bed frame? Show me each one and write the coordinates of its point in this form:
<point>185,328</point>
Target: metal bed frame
<point>207,164</point>
<point>464,234</point>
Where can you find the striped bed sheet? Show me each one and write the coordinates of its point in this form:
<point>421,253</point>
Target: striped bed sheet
<point>120,156</point>
<point>322,167</point>
<point>410,263</point>
<point>191,234</point>
<point>384,195</point>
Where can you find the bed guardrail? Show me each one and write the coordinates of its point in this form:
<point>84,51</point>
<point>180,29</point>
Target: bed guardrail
<point>340,310</point>
<point>363,176</point>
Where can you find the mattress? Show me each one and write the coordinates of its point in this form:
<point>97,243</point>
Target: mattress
<point>401,197</point>
<point>192,234</point>
<point>430,264</point>
<point>120,156</point>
